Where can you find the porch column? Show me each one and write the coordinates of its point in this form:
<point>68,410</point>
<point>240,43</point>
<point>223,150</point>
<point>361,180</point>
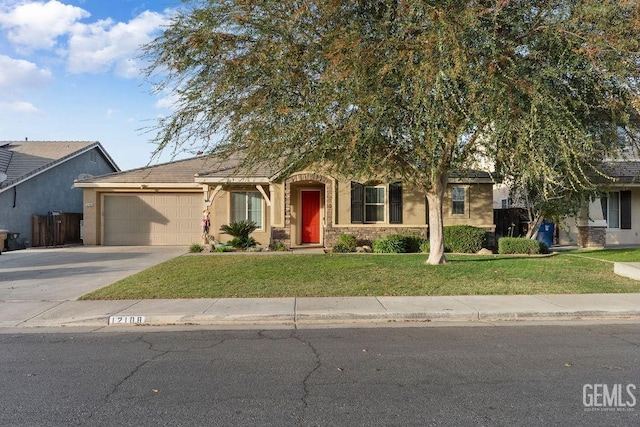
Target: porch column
<point>592,227</point>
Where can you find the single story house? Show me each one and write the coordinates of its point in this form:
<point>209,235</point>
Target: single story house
<point>164,204</point>
<point>36,178</point>
<point>613,218</point>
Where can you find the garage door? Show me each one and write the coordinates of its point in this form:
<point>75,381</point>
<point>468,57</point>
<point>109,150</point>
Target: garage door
<point>152,219</point>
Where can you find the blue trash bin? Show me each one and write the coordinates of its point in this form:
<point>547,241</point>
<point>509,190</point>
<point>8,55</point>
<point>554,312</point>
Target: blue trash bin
<point>545,233</point>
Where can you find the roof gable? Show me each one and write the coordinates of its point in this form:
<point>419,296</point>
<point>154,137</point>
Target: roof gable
<point>22,160</point>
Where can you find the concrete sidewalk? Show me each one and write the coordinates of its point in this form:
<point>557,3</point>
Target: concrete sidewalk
<point>39,289</point>
<point>293,312</point>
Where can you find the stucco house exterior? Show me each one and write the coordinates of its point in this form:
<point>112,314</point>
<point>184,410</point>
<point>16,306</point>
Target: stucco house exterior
<point>37,178</point>
<point>163,205</point>
<point>613,218</point>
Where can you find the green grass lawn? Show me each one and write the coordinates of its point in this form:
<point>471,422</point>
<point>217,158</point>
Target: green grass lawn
<point>290,275</point>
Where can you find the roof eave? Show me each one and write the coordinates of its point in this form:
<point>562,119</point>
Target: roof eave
<point>137,185</point>
<point>233,180</point>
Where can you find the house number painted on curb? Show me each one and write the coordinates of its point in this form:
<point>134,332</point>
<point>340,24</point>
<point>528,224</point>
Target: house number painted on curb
<point>126,319</point>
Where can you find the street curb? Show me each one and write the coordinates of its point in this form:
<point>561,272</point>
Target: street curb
<point>360,318</point>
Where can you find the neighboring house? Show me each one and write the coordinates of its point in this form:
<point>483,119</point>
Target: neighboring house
<point>614,218</point>
<point>36,178</point>
<point>163,205</point>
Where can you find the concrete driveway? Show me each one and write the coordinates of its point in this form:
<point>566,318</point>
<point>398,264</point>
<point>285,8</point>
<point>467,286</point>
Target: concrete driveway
<point>64,274</point>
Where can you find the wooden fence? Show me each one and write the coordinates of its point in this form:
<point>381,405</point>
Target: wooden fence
<point>55,229</point>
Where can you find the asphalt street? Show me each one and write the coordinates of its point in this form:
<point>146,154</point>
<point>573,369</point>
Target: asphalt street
<point>492,376</point>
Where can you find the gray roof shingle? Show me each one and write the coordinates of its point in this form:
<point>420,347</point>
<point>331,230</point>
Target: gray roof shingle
<point>182,171</point>
<point>20,160</point>
<point>624,172</point>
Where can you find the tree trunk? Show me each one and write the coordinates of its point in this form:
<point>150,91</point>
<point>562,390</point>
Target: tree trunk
<point>435,197</point>
<point>535,221</point>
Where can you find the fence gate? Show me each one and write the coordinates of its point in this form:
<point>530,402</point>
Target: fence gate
<point>55,229</point>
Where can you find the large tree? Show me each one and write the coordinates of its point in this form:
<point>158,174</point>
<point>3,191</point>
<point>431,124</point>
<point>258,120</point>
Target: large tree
<point>409,88</point>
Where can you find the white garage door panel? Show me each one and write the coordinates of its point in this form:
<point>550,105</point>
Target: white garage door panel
<point>152,219</point>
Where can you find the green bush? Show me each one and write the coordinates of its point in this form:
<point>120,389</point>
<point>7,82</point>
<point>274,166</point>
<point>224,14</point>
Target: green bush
<point>398,244</point>
<point>240,231</point>
<point>348,241</point>
<point>425,247</point>
<point>340,248</point>
<point>521,245</point>
<point>464,239</point>
<point>413,243</point>
<point>392,244</point>
<point>280,247</point>
<point>196,248</point>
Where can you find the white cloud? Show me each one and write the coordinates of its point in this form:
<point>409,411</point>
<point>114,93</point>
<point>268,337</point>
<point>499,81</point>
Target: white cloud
<point>97,47</point>
<point>169,100</point>
<point>37,25</point>
<point>106,45</point>
<point>18,73</point>
<point>20,107</point>
<point>112,112</point>
<point>16,77</point>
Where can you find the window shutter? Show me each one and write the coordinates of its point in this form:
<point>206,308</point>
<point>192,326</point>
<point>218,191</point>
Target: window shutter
<point>357,202</point>
<point>625,210</point>
<point>395,203</point>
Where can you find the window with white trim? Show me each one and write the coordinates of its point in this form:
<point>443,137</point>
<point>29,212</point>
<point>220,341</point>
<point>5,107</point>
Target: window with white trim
<point>458,200</point>
<point>246,206</point>
<point>374,203</point>
<point>611,209</point>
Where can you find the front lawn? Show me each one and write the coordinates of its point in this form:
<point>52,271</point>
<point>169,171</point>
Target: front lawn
<point>291,275</point>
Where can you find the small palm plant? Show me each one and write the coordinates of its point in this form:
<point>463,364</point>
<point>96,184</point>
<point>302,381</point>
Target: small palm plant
<point>240,230</point>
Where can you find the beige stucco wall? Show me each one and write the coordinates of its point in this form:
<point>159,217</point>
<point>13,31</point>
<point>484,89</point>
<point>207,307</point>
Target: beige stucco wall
<point>480,206</point>
<point>277,204</point>
<point>220,214</point>
<point>91,217</point>
<point>568,232</point>
<point>414,206</point>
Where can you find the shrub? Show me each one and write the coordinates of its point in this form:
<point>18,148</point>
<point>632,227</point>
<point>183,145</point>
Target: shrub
<point>521,245</point>
<point>392,244</point>
<point>413,242</point>
<point>464,238</point>
<point>240,230</point>
<point>196,248</point>
<point>280,247</point>
<point>348,241</point>
<point>398,243</point>
<point>341,248</point>
<point>425,247</point>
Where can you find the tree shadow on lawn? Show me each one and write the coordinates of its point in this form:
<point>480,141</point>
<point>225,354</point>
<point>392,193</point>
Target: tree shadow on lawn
<point>463,258</point>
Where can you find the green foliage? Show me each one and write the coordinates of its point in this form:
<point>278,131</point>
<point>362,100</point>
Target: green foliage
<point>196,248</point>
<point>240,230</point>
<point>280,247</point>
<point>393,244</point>
<point>398,243</point>
<point>464,238</point>
<point>419,89</point>
<point>349,241</point>
<point>521,245</point>
<point>341,248</point>
<point>425,247</point>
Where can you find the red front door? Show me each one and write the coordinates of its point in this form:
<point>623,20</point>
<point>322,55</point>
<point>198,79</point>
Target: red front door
<point>310,216</point>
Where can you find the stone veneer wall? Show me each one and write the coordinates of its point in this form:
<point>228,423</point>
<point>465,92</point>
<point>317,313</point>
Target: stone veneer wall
<point>366,235</point>
<point>283,234</point>
<point>590,237</point>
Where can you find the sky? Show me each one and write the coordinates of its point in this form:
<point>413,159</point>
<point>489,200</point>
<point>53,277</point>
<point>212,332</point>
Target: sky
<point>70,70</point>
